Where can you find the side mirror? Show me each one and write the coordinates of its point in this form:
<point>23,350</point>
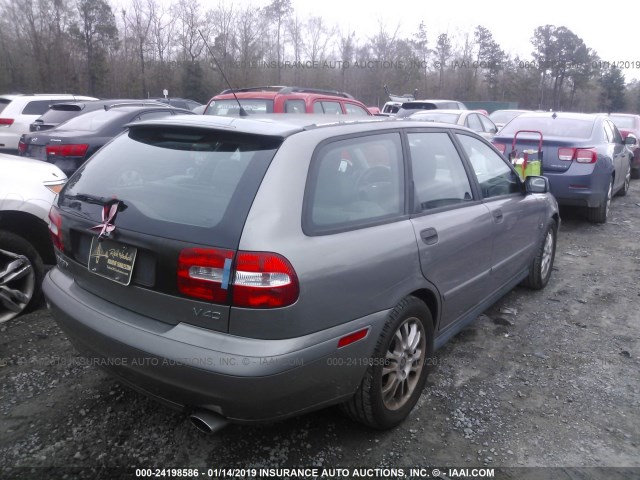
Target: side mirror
<point>535,184</point>
<point>630,140</point>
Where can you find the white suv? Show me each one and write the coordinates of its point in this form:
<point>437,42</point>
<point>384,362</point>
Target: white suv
<point>17,112</point>
<point>27,189</point>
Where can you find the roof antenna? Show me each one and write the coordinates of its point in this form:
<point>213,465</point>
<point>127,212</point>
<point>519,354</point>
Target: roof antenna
<point>242,111</point>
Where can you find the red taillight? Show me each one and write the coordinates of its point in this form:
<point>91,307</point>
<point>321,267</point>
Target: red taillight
<point>73,150</point>
<point>205,273</point>
<point>257,280</point>
<point>55,228</point>
<point>580,155</point>
<point>566,154</point>
<point>22,147</point>
<point>264,280</point>
<point>353,337</point>
<point>584,155</point>
<point>500,146</point>
<point>7,122</point>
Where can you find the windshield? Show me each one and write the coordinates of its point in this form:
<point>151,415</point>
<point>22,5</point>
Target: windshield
<point>231,107</point>
<point>175,182</point>
<point>550,126</point>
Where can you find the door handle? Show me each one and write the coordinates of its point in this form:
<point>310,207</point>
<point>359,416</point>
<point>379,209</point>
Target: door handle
<point>497,214</point>
<point>429,236</point>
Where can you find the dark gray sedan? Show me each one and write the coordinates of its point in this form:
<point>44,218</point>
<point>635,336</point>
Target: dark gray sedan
<point>251,269</point>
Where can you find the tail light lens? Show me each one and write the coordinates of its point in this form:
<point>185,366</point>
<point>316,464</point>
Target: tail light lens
<point>580,155</point>
<point>22,147</point>
<point>6,122</point>
<point>55,228</point>
<point>264,280</point>
<point>204,273</point>
<point>72,150</point>
<point>258,279</point>
<point>566,154</point>
<point>586,155</point>
<point>501,147</point>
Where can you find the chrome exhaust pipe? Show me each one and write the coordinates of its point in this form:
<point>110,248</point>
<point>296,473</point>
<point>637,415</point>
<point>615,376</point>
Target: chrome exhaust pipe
<point>207,421</point>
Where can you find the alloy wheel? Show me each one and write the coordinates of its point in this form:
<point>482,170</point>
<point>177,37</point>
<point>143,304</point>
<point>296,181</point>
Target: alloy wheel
<point>17,284</point>
<point>404,362</point>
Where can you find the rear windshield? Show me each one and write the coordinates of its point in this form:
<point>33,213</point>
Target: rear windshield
<point>437,117</point>
<point>37,107</point>
<point>503,117</point>
<point>3,103</point>
<point>58,116</point>
<point>552,127</point>
<point>231,107</point>
<point>93,121</point>
<point>188,184</point>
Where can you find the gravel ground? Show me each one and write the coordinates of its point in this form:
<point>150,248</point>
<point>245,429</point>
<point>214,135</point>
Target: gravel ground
<point>542,379</point>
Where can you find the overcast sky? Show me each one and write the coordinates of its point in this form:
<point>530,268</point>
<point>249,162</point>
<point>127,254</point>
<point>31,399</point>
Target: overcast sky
<point>605,28</point>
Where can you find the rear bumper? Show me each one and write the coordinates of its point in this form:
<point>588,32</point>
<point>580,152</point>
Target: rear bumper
<point>581,185</point>
<point>9,140</point>
<point>245,380</point>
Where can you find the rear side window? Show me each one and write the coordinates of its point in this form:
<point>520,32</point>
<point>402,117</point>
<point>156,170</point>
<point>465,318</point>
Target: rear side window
<point>3,103</point>
<point>195,185</point>
<point>354,183</point>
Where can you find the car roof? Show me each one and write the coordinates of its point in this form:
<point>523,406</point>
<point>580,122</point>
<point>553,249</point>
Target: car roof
<point>283,125</point>
<point>274,91</point>
<point>569,115</point>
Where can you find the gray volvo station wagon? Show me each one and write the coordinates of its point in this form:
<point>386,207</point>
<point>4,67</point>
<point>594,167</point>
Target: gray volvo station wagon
<point>251,269</point>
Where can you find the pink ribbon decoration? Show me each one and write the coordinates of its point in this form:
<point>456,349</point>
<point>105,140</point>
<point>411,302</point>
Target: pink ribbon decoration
<point>108,215</point>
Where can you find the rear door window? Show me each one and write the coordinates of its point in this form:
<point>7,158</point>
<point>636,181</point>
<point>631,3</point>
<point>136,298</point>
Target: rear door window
<point>331,108</point>
<point>354,183</point>
<point>352,109</point>
<point>294,106</point>
<point>195,185</point>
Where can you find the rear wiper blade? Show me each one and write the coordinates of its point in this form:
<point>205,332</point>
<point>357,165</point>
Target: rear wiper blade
<point>88,198</point>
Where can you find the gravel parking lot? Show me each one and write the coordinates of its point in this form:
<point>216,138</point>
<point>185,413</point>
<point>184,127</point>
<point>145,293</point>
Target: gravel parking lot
<point>542,379</point>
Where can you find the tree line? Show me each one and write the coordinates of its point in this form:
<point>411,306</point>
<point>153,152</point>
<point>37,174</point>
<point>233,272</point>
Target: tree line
<point>140,48</point>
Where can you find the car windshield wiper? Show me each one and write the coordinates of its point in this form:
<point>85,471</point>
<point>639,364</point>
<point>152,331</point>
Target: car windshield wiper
<point>88,198</point>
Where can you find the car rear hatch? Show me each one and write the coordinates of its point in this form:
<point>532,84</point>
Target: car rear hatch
<point>152,222</point>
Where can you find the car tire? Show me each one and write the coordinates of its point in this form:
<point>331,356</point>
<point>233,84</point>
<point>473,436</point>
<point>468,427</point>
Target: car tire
<point>627,182</point>
<point>396,376</point>
<point>542,263</point>
<point>21,274</point>
<point>600,213</point>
